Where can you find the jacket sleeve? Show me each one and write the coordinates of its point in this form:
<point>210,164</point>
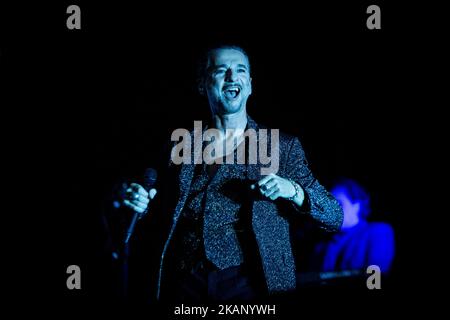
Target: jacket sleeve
<point>319,203</point>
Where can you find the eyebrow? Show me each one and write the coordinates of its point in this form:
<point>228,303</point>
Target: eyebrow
<point>226,66</point>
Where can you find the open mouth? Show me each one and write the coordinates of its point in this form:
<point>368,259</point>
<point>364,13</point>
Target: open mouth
<point>231,92</point>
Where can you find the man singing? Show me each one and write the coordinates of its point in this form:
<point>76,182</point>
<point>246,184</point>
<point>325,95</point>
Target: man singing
<point>225,226</point>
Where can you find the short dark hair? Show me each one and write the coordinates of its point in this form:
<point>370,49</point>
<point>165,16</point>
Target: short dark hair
<point>203,62</point>
<point>356,193</point>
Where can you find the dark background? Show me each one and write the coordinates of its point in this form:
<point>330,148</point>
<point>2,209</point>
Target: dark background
<point>100,102</point>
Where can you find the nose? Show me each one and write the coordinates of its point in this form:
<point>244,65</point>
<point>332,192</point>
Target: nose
<point>230,76</point>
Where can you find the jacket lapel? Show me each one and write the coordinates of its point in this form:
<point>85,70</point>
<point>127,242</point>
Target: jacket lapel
<point>185,177</point>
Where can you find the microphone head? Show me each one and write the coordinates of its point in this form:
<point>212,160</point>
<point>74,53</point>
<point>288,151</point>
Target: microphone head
<point>149,180</point>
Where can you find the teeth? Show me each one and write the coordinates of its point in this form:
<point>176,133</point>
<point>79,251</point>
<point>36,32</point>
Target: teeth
<point>233,89</point>
<point>231,92</point>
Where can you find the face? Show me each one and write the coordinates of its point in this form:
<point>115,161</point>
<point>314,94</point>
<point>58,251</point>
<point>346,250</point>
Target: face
<point>351,210</point>
<point>228,81</point>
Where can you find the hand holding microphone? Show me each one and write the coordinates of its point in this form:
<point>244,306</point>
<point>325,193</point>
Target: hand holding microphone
<point>138,197</point>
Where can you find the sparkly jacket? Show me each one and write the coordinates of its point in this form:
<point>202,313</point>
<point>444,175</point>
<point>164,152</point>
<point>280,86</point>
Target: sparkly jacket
<point>269,220</point>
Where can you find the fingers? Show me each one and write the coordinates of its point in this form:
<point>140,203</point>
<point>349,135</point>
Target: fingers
<point>136,203</point>
<point>268,186</point>
<point>265,179</point>
<point>271,186</point>
<point>140,204</point>
<point>275,195</point>
<point>136,208</point>
<point>137,198</point>
<point>262,182</point>
<point>271,191</point>
<point>137,192</point>
<point>139,189</point>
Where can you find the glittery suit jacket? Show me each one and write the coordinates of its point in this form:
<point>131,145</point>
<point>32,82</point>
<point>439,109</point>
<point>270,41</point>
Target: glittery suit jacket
<point>270,223</point>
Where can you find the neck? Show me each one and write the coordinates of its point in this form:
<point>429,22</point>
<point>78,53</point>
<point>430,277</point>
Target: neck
<point>230,121</point>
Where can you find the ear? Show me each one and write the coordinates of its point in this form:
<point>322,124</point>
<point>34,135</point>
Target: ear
<point>251,86</point>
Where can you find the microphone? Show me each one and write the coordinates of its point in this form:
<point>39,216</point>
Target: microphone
<point>148,182</point>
